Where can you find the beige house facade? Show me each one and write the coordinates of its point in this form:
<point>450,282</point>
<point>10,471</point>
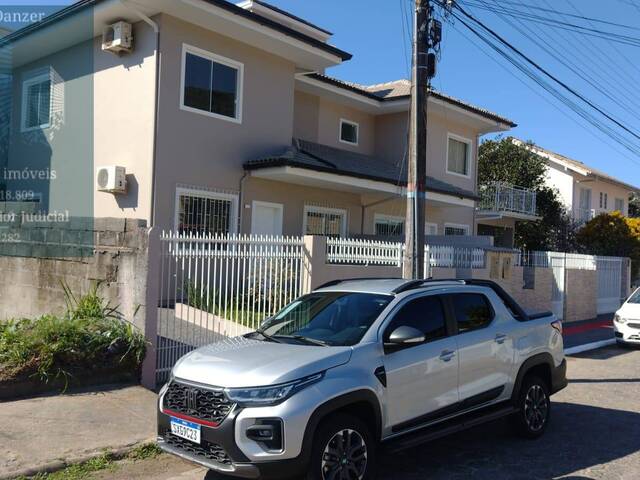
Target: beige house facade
<point>585,191</point>
<point>226,120</point>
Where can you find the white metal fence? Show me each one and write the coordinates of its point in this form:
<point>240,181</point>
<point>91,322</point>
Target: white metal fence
<point>373,252</point>
<point>213,287</point>
<point>364,252</point>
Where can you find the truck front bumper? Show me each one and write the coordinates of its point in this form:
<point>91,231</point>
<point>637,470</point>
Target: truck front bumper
<point>218,451</point>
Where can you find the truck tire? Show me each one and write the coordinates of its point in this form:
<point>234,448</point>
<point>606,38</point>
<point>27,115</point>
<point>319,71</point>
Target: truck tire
<point>534,408</point>
<point>343,448</point>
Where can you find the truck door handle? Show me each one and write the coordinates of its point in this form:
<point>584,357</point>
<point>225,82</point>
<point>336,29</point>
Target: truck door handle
<point>447,355</point>
<point>500,338</point>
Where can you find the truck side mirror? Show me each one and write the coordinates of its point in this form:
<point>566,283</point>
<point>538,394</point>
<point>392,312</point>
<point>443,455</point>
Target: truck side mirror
<point>405,336</point>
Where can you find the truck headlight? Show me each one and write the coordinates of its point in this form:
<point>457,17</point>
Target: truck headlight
<point>619,319</point>
<point>272,394</point>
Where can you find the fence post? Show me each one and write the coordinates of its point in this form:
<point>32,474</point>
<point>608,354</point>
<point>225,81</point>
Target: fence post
<point>315,251</point>
<point>150,311</point>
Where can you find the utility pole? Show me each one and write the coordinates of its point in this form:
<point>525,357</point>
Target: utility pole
<point>426,36</point>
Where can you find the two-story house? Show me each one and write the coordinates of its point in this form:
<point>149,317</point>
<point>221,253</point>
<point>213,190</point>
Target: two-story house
<point>226,120</point>
<point>584,191</point>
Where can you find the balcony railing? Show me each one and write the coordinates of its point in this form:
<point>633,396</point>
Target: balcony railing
<point>502,197</point>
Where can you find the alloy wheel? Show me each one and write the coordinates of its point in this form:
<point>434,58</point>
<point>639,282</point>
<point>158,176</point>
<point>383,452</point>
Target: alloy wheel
<point>345,456</point>
<point>536,408</point>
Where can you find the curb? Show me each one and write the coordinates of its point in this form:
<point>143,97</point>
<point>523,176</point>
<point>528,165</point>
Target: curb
<point>589,346</point>
<point>117,453</point>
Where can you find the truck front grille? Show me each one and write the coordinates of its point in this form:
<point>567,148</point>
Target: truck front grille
<point>208,450</point>
<point>200,403</point>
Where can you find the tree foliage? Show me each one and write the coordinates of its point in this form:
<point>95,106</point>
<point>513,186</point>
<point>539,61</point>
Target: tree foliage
<point>634,206</point>
<point>612,234</point>
<point>502,160</point>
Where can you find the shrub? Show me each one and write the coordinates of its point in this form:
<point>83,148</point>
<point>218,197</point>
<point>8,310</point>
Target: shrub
<point>612,234</point>
<point>89,337</point>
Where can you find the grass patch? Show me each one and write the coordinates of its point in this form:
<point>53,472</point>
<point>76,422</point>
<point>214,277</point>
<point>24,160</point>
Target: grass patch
<point>144,452</point>
<point>90,337</point>
<point>107,461</point>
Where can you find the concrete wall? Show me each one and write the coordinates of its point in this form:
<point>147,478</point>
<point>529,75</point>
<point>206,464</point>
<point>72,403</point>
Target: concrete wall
<point>32,277</point>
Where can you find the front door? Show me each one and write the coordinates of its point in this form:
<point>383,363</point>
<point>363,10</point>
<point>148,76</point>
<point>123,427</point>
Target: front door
<point>266,218</point>
<point>422,380</point>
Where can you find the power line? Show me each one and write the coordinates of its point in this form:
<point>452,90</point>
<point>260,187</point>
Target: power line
<point>565,14</point>
<point>570,64</point>
<point>498,46</point>
<point>558,24</point>
<point>546,72</point>
<point>602,137</point>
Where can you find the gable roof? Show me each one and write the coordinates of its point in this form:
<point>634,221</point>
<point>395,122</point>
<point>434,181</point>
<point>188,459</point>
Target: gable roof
<point>291,16</point>
<point>576,165</point>
<point>401,90</point>
<point>81,5</point>
<point>323,158</point>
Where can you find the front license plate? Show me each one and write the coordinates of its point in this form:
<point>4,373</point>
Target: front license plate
<point>187,430</point>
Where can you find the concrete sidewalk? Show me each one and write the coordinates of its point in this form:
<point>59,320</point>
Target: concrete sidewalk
<point>45,433</point>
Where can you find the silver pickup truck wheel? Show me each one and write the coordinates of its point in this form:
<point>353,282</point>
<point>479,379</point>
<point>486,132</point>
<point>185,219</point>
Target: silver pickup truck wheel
<point>343,449</point>
<point>534,408</point>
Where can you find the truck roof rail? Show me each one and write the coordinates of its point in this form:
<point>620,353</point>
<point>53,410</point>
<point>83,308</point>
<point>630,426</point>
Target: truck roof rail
<point>428,282</point>
<point>333,283</point>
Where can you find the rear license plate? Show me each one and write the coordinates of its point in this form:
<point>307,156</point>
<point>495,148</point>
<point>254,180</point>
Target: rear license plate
<point>187,430</point>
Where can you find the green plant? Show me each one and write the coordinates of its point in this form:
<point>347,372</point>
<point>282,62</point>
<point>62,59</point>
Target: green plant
<point>90,336</point>
<point>89,305</point>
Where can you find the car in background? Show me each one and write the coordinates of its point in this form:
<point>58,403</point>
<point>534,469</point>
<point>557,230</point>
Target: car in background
<point>626,322</point>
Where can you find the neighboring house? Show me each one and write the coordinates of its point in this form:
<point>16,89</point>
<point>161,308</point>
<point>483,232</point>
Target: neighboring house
<point>226,121</point>
<point>585,191</point>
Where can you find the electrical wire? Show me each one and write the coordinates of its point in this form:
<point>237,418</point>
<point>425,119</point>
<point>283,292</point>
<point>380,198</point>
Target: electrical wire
<point>530,71</point>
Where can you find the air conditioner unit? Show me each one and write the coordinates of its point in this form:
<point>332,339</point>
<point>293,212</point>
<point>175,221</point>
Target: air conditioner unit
<point>118,38</point>
<point>112,179</point>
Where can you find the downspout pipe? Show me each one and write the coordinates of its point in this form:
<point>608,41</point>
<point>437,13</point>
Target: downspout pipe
<point>156,107</point>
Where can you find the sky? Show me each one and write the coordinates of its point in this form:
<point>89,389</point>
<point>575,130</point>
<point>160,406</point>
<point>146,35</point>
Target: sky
<point>376,33</point>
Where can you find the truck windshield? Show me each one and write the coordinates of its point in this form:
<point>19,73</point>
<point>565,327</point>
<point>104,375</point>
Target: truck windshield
<point>635,298</point>
<point>330,318</point>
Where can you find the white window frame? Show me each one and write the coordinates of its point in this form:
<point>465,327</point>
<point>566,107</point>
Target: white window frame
<point>463,226</point>
<point>186,48</point>
<point>430,224</point>
<point>25,88</point>
<point>381,217</point>
<point>469,143</point>
<point>203,193</point>
<point>354,124</point>
<point>618,200</point>
<point>278,206</point>
<point>316,209</point>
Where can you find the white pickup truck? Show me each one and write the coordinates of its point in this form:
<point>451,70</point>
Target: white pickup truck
<point>358,365</point>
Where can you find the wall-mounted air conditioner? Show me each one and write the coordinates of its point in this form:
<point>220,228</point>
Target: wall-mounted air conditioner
<point>118,38</point>
<point>112,179</point>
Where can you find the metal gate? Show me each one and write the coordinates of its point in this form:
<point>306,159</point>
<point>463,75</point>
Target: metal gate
<point>216,287</point>
<point>557,262</point>
<point>609,284</point>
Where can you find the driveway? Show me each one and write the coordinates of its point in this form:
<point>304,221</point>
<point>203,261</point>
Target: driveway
<point>594,434</point>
